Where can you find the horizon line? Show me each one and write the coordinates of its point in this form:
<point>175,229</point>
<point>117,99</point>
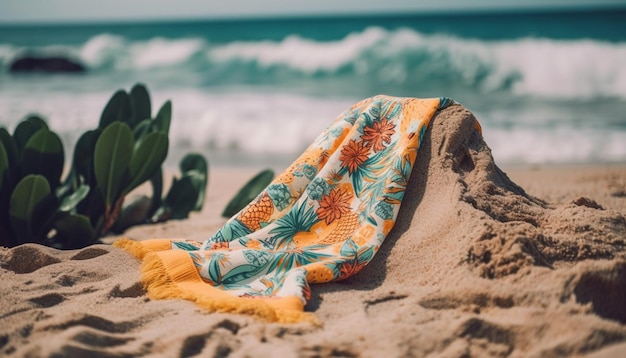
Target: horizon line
<point>320,15</point>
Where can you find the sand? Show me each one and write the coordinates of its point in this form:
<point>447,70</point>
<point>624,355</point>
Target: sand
<point>475,266</point>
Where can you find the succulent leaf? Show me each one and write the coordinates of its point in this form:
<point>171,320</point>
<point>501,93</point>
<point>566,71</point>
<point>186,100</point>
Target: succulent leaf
<point>93,207</point>
<point>140,104</point>
<point>4,165</point>
<point>164,117</point>
<point>147,158</point>
<point>5,191</point>
<point>111,159</point>
<point>37,121</point>
<point>9,147</point>
<point>84,154</point>
<point>74,231</point>
<point>181,198</point>
<point>43,154</point>
<point>71,201</point>
<point>117,109</point>
<point>30,192</point>
<point>26,129</point>
<point>156,182</point>
<point>193,161</point>
<point>142,129</point>
<point>196,166</point>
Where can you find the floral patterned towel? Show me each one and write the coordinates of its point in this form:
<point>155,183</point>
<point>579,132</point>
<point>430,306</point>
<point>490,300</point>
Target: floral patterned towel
<point>321,220</point>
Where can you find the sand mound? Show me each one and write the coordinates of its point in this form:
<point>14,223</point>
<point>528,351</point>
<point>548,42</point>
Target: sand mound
<point>505,230</point>
<point>474,267</point>
<point>523,266</point>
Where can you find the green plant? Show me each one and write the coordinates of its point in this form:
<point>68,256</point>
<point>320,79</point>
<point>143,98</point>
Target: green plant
<point>187,193</point>
<point>248,192</point>
<point>127,149</point>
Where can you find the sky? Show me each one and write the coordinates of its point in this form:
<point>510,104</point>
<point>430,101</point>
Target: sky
<point>50,11</point>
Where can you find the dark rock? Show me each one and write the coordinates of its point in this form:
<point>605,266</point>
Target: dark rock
<point>46,64</point>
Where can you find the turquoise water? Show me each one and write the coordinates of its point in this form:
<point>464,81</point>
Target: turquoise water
<point>547,87</point>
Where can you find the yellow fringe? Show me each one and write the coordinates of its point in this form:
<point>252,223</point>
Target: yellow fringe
<point>186,284</point>
<point>132,247</point>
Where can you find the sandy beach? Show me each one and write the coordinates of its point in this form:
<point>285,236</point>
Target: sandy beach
<point>483,262</point>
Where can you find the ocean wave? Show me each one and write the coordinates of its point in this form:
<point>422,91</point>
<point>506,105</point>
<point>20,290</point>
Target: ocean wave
<point>561,69</point>
<point>275,127</point>
<point>529,66</point>
<point>111,51</point>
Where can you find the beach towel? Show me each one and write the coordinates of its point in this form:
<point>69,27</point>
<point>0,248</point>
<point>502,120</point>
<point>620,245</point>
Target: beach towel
<point>322,219</point>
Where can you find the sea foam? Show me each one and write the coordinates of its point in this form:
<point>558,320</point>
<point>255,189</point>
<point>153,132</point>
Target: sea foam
<point>539,67</point>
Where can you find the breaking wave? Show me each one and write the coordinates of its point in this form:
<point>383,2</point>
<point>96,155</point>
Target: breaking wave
<point>538,67</point>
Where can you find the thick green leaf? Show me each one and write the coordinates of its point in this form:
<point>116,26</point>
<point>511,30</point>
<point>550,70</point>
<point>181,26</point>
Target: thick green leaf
<point>249,191</point>
<point>140,103</point>
<point>81,171</point>
<point>71,201</point>
<point>147,159</point>
<point>43,216</point>
<point>9,147</point>
<point>37,121</point>
<point>26,129</point>
<point>29,192</point>
<point>83,155</point>
<point>193,161</point>
<point>6,188</point>
<point>22,134</point>
<point>196,166</point>
<point>43,154</point>
<point>199,181</point>
<point>142,129</point>
<point>117,109</point>
<point>93,207</point>
<point>164,117</point>
<point>181,198</point>
<point>111,158</point>
<point>4,165</point>
<point>74,232</point>
<point>156,182</point>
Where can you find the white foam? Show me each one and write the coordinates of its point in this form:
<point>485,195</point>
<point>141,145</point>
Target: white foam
<point>7,52</point>
<point>252,122</point>
<point>103,50</point>
<point>563,69</point>
<point>558,69</point>
<point>160,52</point>
<point>301,54</point>
<point>530,66</point>
<point>558,145</point>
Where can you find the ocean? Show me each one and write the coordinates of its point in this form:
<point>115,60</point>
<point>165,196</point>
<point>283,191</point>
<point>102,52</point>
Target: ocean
<point>548,87</point>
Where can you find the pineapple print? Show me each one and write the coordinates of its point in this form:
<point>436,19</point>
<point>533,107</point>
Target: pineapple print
<point>318,273</point>
<point>313,157</point>
<point>259,212</point>
<point>344,229</point>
